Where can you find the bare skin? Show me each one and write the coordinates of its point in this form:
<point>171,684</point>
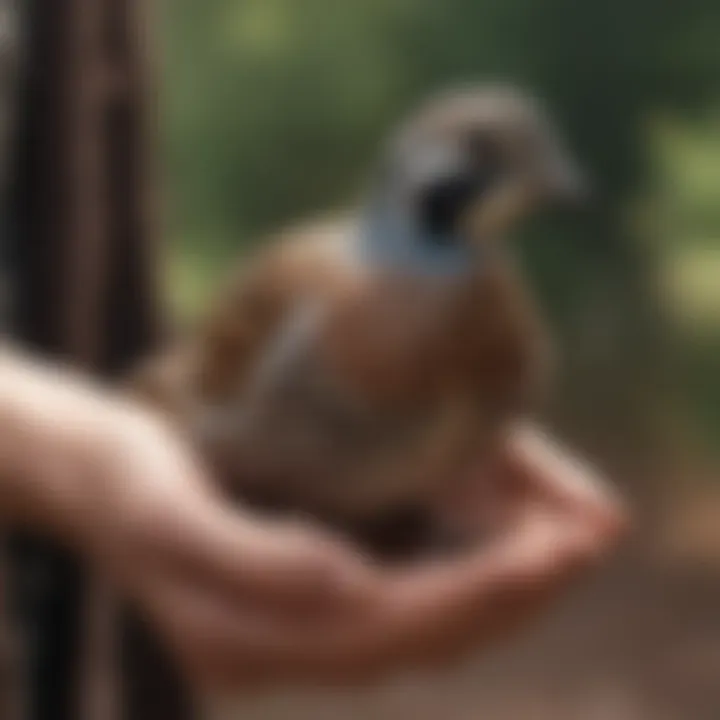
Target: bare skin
<point>244,601</point>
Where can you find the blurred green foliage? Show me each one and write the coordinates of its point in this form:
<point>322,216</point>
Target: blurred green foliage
<point>274,109</point>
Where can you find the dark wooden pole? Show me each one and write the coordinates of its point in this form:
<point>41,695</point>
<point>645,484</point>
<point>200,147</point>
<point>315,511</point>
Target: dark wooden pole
<point>85,292</point>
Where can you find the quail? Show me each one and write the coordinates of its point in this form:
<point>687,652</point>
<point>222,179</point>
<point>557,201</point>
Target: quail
<point>355,365</point>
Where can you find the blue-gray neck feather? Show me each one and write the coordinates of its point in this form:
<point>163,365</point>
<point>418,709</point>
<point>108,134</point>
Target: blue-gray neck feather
<point>391,239</point>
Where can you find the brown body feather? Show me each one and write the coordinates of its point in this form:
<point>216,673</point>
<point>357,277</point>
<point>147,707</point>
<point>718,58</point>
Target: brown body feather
<point>346,386</point>
<point>399,381</point>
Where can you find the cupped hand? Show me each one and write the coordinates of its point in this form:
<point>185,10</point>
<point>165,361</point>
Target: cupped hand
<point>244,601</point>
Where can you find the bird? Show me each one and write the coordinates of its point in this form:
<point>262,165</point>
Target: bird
<point>356,363</point>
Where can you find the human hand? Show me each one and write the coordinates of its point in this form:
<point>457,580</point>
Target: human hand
<point>244,601</point>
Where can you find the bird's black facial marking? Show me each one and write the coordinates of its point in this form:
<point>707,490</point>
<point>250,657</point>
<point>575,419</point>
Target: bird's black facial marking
<point>442,202</point>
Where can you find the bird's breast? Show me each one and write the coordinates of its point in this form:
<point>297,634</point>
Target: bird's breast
<point>304,431</point>
<point>373,400</point>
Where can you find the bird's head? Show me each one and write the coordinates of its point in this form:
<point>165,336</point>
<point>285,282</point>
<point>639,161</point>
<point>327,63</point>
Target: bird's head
<point>470,164</point>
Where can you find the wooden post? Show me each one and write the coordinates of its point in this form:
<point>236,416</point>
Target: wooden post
<point>86,292</point>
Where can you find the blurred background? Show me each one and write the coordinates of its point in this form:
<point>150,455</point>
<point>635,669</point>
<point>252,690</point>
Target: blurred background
<point>273,110</point>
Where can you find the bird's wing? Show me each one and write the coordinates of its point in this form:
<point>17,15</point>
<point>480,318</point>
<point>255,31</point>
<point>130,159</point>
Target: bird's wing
<point>217,358</point>
<point>300,264</point>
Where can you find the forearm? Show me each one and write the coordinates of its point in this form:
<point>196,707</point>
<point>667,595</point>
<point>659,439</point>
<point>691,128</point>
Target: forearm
<point>50,424</point>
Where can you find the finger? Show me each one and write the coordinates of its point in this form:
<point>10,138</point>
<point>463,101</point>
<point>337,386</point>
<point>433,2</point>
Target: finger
<point>426,614</point>
<point>555,474</point>
<point>224,647</point>
<point>275,563</point>
<point>470,600</point>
